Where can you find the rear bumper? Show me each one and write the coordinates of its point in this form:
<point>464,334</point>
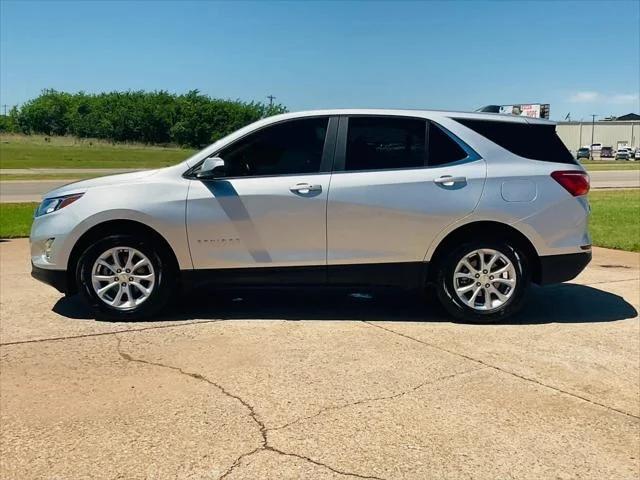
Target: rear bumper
<point>562,268</point>
<point>56,278</point>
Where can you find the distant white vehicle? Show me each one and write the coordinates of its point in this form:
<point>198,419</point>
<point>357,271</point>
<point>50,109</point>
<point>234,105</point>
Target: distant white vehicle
<point>596,147</point>
<point>624,153</point>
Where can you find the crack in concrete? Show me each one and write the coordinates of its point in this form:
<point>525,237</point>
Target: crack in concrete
<point>499,369</point>
<point>237,461</point>
<point>376,399</point>
<point>612,281</point>
<point>102,334</point>
<point>264,445</point>
<point>320,464</point>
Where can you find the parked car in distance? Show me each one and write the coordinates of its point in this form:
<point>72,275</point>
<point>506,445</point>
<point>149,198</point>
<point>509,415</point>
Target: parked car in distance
<point>631,152</point>
<point>583,152</point>
<point>595,147</point>
<point>475,205</point>
<point>636,155</point>
<point>606,152</point>
<point>623,154</point>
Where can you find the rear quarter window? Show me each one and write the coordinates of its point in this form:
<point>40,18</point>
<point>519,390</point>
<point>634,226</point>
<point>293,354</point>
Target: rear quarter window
<point>533,141</point>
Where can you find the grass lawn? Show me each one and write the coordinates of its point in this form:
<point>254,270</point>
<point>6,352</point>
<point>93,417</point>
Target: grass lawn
<point>15,219</point>
<point>615,219</point>
<point>19,151</point>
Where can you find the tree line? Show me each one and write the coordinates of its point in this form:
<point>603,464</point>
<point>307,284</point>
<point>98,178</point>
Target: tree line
<point>158,117</point>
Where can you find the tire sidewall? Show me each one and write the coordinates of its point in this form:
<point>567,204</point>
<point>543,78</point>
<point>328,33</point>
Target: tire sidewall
<point>162,289</point>
<point>455,306</point>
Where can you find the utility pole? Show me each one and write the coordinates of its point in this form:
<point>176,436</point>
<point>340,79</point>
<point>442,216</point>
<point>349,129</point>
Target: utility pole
<point>580,141</point>
<point>271,99</point>
<point>593,127</point>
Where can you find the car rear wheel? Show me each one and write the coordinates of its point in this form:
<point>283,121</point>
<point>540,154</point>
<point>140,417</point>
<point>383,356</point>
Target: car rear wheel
<point>483,282</point>
<point>124,277</point>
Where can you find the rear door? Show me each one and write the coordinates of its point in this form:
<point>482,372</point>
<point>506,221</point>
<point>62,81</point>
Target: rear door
<point>397,182</point>
<point>270,208</point>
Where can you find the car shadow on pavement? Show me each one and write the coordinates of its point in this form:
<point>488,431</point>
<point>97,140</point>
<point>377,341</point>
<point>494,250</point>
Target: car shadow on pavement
<point>564,303</point>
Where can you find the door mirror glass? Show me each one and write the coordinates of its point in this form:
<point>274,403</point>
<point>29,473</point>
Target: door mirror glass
<point>212,168</point>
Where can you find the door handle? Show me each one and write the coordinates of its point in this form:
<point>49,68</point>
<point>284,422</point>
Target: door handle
<point>305,188</point>
<point>448,180</point>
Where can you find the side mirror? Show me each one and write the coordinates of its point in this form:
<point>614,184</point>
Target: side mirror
<point>212,168</point>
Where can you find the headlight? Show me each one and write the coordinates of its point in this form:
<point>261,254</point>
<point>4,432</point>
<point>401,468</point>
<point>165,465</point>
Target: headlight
<point>50,205</point>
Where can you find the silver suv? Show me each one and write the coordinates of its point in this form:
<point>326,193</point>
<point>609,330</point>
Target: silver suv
<point>476,205</point>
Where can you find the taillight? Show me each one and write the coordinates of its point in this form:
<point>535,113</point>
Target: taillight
<point>574,181</point>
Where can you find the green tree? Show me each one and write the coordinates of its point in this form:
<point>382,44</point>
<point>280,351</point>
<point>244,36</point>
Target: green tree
<point>157,117</point>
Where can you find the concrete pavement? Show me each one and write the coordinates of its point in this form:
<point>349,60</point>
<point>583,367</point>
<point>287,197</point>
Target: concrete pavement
<point>244,385</point>
<point>32,190</point>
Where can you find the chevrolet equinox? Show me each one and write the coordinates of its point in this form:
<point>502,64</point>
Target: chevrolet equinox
<point>476,205</point>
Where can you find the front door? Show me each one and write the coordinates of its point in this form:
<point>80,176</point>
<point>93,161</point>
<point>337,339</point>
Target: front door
<point>269,210</point>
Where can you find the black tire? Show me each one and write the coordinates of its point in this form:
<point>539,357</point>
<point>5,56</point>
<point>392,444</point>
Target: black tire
<point>163,289</point>
<point>461,311</point>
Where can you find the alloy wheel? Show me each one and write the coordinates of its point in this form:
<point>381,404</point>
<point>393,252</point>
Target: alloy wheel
<point>123,277</point>
<point>484,279</point>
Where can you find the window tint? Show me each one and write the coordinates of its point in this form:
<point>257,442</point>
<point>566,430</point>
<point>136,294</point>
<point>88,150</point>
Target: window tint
<point>287,148</point>
<point>534,141</point>
<point>442,148</point>
<point>375,143</point>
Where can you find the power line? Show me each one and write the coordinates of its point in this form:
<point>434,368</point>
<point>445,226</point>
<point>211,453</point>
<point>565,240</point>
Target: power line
<point>271,99</point>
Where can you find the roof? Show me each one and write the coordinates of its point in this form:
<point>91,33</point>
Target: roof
<point>432,114</point>
<point>629,116</point>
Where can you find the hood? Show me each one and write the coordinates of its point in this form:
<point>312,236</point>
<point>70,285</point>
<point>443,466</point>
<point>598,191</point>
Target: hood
<point>84,185</point>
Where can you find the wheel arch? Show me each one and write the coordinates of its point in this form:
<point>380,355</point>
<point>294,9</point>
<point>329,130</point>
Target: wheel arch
<point>489,230</point>
<point>110,227</point>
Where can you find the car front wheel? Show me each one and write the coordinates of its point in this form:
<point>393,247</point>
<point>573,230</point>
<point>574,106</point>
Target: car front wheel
<point>124,277</point>
<point>483,282</point>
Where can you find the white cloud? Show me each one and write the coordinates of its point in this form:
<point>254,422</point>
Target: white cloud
<point>584,97</point>
<point>593,97</point>
<point>625,98</point>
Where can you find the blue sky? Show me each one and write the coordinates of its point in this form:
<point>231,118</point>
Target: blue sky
<point>582,57</point>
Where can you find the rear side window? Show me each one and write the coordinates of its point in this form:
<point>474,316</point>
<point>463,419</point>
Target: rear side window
<point>534,141</point>
<point>442,148</point>
<point>377,143</point>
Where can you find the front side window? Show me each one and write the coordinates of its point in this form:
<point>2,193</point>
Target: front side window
<point>293,147</point>
<point>377,143</point>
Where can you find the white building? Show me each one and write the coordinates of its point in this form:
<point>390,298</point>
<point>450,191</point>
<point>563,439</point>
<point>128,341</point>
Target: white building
<point>614,134</point>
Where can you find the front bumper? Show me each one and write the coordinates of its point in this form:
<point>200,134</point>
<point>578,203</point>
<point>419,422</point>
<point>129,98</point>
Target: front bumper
<point>562,268</point>
<point>56,278</point>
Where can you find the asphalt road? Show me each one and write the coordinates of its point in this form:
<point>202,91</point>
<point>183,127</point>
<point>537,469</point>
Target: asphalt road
<point>20,191</point>
<point>615,179</point>
<point>32,190</point>
<point>322,386</point>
